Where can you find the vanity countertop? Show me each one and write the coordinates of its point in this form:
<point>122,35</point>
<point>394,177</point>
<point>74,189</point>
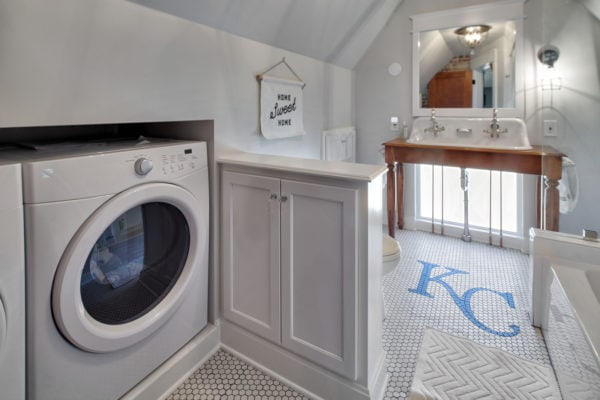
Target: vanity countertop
<point>332,169</point>
<point>536,150</point>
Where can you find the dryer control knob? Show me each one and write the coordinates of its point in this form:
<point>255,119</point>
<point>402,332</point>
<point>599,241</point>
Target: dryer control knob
<point>143,166</point>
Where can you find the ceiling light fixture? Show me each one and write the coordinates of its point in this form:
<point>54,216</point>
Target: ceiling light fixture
<point>473,35</point>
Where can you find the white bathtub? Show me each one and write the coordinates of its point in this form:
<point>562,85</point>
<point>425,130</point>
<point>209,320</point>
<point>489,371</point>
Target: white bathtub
<point>545,247</point>
<point>568,302</point>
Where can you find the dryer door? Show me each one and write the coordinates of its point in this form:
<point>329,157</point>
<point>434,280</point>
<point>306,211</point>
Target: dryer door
<point>126,270</point>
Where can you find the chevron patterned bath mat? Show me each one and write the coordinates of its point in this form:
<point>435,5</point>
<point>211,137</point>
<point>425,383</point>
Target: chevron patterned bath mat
<point>451,368</point>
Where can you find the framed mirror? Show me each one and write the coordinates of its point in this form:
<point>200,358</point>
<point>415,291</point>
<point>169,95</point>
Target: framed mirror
<point>469,60</point>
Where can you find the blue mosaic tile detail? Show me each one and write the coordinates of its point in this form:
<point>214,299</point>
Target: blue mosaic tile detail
<point>464,302</point>
<point>415,303</point>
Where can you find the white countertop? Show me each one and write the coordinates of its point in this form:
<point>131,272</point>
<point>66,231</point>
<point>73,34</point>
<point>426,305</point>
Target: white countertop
<point>335,169</point>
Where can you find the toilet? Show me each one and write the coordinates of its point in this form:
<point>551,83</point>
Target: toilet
<point>391,259</point>
<point>391,254</point>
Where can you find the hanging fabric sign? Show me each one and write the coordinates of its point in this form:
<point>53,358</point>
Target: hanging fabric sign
<point>281,108</point>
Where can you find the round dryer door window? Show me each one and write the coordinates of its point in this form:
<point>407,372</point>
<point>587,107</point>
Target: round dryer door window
<point>126,270</point>
<point>135,263</point>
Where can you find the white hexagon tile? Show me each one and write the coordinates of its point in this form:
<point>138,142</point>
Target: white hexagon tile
<point>226,377</point>
<point>472,290</point>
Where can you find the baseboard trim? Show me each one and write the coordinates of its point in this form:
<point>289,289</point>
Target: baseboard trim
<point>301,375</point>
<point>270,372</point>
<point>166,378</point>
<point>292,370</point>
<point>380,379</point>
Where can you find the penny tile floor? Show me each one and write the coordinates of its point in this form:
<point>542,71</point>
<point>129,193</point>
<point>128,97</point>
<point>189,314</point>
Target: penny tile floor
<point>471,290</point>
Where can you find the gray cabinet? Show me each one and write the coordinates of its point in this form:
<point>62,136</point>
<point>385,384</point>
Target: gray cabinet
<point>290,265</point>
<point>250,251</point>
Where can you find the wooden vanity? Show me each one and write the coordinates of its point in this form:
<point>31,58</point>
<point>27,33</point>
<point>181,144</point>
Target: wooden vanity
<point>543,161</point>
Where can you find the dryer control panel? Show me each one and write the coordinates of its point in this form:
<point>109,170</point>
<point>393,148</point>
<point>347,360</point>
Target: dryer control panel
<point>176,164</point>
<point>83,175</point>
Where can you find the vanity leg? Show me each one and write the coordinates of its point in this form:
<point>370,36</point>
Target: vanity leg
<point>551,206</point>
<point>400,194</point>
<point>391,209</point>
<point>539,213</point>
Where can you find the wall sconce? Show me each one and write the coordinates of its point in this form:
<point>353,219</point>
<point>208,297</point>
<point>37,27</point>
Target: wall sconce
<point>548,56</point>
<point>473,35</point>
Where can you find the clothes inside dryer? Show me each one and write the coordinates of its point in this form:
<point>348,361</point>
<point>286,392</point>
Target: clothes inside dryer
<point>134,263</point>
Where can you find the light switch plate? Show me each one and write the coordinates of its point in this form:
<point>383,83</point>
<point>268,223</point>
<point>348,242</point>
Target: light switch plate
<point>550,128</point>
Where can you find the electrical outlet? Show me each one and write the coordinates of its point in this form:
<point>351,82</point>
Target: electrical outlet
<point>394,125</point>
<point>550,128</point>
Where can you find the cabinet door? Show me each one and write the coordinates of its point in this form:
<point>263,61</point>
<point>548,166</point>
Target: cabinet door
<point>451,89</point>
<point>250,251</point>
<point>318,267</point>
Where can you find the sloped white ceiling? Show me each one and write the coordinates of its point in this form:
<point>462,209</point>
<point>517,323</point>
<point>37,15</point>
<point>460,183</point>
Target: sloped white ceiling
<point>335,31</point>
<point>593,7</point>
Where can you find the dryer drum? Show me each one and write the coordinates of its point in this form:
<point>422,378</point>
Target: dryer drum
<point>135,263</point>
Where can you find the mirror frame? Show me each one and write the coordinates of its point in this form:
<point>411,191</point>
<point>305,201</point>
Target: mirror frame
<point>455,18</point>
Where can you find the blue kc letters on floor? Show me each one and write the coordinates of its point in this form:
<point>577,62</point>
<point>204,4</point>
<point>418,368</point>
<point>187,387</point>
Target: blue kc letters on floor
<point>463,302</point>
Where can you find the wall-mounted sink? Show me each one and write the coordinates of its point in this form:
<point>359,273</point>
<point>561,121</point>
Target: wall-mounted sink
<point>471,132</point>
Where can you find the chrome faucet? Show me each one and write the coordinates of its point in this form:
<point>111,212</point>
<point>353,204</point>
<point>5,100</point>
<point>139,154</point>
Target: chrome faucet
<point>435,127</point>
<point>495,130</point>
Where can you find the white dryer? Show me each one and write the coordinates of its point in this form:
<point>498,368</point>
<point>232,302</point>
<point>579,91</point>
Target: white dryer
<point>117,263</point>
<point>12,284</point>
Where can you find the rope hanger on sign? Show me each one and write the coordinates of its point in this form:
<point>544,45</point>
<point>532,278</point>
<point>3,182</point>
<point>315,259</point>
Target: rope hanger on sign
<point>260,76</point>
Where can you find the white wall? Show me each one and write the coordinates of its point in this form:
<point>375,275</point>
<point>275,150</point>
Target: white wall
<point>434,55</point>
<point>106,61</point>
<point>569,26</point>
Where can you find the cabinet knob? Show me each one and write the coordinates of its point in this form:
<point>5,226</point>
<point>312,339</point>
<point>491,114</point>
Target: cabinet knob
<point>273,196</point>
<point>283,198</point>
